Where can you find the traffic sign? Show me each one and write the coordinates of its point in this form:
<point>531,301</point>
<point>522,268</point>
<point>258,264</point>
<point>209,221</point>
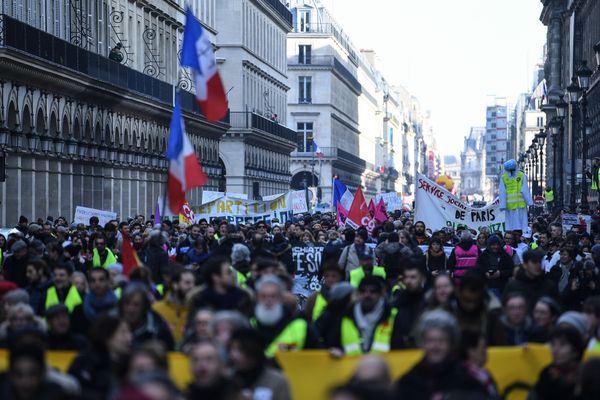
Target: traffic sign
<point>539,201</point>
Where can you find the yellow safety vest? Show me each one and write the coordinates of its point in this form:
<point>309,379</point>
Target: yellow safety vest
<point>160,288</point>
<point>534,246</point>
<point>118,291</point>
<point>319,307</point>
<point>357,275</point>
<point>514,195</point>
<point>1,258</point>
<point>72,300</point>
<point>292,336</point>
<point>382,337</point>
<point>549,196</point>
<point>110,259</point>
<point>241,278</point>
<point>594,184</point>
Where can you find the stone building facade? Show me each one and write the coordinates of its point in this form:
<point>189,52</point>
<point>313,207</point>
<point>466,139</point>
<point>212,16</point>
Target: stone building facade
<point>86,94</point>
<point>573,37</point>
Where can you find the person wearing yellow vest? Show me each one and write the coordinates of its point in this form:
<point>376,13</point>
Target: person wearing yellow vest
<point>62,292</point>
<point>102,256</point>
<point>173,307</point>
<point>317,301</point>
<point>366,268</point>
<point>282,330</point>
<point>595,175</point>
<point>549,197</point>
<point>369,324</point>
<point>514,197</point>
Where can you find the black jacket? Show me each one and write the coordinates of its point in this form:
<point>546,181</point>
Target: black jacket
<point>157,259</point>
<point>95,373</point>
<point>15,270</point>
<point>500,261</point>
<point>410,307</point>
<point>532,288</point>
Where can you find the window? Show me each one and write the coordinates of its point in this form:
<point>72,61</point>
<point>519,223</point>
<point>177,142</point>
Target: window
<point>304,21</point>
<point>304,89</point>
<point>540,122</point>
<point>304,52</point>
<point>493,124</point>
<point>304,136</point>
<point>493,147</point>
<point>493,137</point>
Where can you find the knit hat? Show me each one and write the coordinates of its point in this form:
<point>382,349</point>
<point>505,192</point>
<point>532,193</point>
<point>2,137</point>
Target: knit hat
<point>56,309</point>
<point>596,249</point>
<point>18,246</point>
<point>465,236</point>
<point>577,320</point>
<point>116,267</point>
<point>16,296</point>
<point>239,253</point>
<point>34,228</point>
<point>340,290</point>
<point>494,239</point>
<point>510,165</point>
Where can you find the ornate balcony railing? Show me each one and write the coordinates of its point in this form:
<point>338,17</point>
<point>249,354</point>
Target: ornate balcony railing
<point>251,120</point>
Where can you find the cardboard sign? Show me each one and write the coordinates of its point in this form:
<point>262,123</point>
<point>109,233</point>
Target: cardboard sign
<point>239,211</point>
<point>569,220</point>
<point>307,261</point>
<point>83,215</point>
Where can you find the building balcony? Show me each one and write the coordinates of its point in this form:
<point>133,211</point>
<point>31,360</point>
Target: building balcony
<point>327,29</point>
<point>254,121</point>
<point>331,154</point>
<point>34,42</point>
<point>281,10</point>
<point>325,61</point>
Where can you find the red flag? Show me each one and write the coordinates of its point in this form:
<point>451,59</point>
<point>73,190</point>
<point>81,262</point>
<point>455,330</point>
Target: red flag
<point>129,257</point>
<point>358,215</point>
<point>371,207</point>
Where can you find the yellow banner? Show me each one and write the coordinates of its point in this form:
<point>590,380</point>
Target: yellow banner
<point>312,373</point>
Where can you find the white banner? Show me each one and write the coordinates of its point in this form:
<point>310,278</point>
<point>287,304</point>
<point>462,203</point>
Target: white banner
<point>240,211</point>
<point>299,205</point>
<point>83,215</point>
<point>438,208</point>
<point>209,195</point>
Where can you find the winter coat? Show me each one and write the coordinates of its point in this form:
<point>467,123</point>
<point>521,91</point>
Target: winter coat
<point>531,288</point>
<point>500,261</point>
<point>391,257</point>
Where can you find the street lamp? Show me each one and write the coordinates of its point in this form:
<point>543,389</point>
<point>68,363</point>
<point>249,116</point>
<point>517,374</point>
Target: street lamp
<point>583,75</point>
<point>597,52</point>
<point>573,93</point>
<point>541,137</point>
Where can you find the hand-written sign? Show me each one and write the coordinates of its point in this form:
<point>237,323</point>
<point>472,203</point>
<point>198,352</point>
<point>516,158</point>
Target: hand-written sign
<point>307,262</point>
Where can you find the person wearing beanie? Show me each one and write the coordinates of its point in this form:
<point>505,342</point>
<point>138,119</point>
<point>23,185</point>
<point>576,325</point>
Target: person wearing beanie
<point>349,260</point>
<point>15,265</point>
<point>557,381</point>
<point>496,265</point>
<point>464,256</point>
<point>240,261</point>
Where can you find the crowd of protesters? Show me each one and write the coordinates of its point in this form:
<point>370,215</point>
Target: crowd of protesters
<point>222,295</point>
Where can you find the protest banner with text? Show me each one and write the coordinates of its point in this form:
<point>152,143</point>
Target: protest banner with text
<point>439,208</point>
<point>83,215</point>
<point>307,261</point>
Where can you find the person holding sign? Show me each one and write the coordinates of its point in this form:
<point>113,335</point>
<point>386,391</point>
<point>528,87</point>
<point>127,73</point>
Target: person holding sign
<point>514,197</point>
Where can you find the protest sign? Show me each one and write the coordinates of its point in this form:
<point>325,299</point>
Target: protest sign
<point>299,202</point>
<point>438,208</point>
<point>570,220</point>
<point>307,262</point>
<point>239,211</point>
<point>83,215</point>
<point>391,200</point>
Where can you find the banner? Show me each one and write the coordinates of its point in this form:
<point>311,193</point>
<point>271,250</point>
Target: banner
<point>209,195</point>
<point>83,215</point>
<point>570,220</point>
<point>307,261</point>
<point>439,208</point>
<point>299,202</point>
<point>240,211</point>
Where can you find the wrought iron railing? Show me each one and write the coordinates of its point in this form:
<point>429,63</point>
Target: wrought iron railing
<point>251,120</point>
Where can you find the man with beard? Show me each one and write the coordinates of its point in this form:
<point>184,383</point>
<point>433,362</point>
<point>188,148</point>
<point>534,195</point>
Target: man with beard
<point>410,301</point>
<point>188,242</point>
<point>221,292</point>
<point>173,307</point>
<point>281,328</point>
<point>62,292</point>
<point>102,256</point>
<point>209,372</point>
<point>420,237</point>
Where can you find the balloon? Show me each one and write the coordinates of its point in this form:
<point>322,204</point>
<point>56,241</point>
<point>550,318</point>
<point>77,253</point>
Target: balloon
<point>446,182</point>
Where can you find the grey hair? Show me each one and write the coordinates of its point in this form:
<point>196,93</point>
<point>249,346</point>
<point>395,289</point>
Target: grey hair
<point>270,280</point>
<point>235,318</point>
<point>22,307</point>
<point>438,319</point>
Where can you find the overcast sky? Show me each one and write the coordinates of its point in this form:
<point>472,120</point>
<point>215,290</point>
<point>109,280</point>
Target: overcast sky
<point>450,54</point>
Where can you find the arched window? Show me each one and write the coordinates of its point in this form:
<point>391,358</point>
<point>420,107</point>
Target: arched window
<point>65,127</point>
<point>26,120</point>
<point>12,117</point>
<point>53,125</point>
<point>40,122</point>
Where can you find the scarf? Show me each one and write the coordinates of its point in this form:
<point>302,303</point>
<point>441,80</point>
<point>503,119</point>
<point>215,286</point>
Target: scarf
<point>366,323</point>
<point>434,253</point>
<point>93,306</point>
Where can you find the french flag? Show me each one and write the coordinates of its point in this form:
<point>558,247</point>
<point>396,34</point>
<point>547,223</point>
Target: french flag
<point>185,172</point>
<point>197,53</point>
<point>317,150</point>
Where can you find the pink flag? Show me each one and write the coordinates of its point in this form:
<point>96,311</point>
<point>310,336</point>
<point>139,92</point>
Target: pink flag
<point>358,215</point>
<point>379,213</point>
<point>371,207</point>
<point>342,214</point>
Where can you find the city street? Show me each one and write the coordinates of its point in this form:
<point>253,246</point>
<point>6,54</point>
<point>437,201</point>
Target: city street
<point>299,199</point>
